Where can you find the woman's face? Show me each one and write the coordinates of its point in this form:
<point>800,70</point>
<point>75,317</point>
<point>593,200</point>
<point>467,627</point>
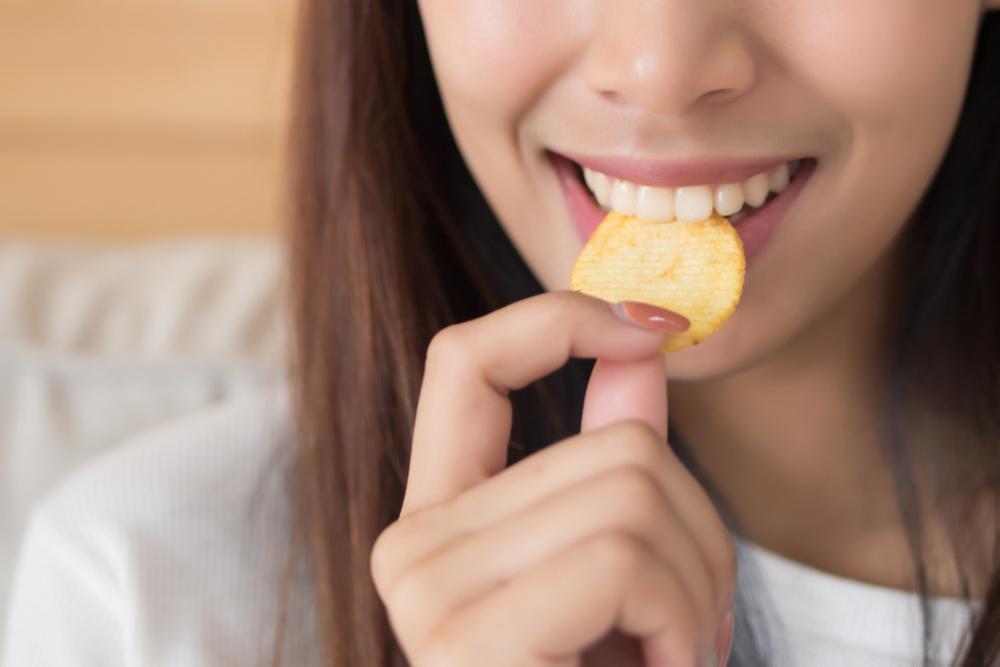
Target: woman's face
<point>870,90</point>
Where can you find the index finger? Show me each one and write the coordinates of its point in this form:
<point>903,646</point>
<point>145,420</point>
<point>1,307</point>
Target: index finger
<point>463,418</point>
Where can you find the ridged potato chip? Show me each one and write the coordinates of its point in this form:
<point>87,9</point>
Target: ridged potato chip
<point>695,268</point>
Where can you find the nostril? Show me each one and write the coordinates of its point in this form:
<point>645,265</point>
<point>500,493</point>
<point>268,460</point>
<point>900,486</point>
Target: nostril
<point>714,95</point>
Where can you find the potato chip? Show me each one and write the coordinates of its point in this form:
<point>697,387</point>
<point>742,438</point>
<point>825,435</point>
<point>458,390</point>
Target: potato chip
<point>695,268</point>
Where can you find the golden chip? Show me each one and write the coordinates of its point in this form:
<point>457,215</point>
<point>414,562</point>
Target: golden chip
<point>695,268</point>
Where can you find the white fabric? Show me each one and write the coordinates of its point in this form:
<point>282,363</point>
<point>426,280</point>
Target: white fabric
<point>167,551</point>
<point>164,553</point>
<point>102,340</point>
<point>822,620</point>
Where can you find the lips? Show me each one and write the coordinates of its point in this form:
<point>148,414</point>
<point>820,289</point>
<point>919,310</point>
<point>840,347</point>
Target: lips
<point>755,229</point>
<point>674,174</point>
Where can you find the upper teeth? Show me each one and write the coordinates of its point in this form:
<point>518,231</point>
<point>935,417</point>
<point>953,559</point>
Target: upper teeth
<point>689,202</point>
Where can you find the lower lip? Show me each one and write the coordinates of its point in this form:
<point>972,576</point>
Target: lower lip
<point>754,230</point>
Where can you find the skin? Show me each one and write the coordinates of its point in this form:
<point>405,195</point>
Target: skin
<point>778,404</point>
<point>490,565</point>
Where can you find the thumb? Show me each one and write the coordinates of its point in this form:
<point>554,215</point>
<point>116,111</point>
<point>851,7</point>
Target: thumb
<point>620,390</point>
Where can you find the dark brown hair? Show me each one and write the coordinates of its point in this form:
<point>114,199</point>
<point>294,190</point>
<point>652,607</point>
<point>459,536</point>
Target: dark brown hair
<point>391,241</point>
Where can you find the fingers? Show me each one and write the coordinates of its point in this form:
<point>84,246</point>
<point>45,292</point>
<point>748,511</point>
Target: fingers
<point>625,499</point>
<point>463,415</point>
<point>622,444</point>
<point>620,390</point>
<point>607,581</point>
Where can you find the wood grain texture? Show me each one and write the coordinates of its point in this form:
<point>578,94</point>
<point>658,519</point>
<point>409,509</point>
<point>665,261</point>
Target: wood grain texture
<point>120,118</point>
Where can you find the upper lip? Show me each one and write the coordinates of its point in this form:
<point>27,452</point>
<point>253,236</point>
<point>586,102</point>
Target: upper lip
<point>700,171</point>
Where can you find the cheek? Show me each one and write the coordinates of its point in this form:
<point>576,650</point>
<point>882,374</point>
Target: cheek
<point>498,57</point>
<point>891,66</point>
<point>494,61</point>
<point>896,71</point>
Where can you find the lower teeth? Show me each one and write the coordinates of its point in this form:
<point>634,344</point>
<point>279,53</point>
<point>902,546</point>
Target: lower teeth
<point>750,210</point>
<point>739,215</point>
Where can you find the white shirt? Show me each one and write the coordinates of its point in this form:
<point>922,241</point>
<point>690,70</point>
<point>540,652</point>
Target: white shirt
<point>169,551</point>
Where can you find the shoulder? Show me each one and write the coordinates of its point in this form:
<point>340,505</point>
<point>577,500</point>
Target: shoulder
<point>183,530</point>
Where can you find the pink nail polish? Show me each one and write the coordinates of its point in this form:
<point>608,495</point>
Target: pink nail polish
<point>724,640</point>
<point>649,316</point>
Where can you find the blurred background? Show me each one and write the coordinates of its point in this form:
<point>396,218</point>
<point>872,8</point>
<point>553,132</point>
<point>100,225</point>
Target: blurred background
<point>141,207</point>
<point>128,119</point>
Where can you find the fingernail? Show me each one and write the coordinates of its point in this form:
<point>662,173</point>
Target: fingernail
<point>649,316</point>
<point>724,639</point>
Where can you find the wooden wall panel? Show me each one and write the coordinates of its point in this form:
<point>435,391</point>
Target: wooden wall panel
<point>142,118</point>
<point>131,195</point>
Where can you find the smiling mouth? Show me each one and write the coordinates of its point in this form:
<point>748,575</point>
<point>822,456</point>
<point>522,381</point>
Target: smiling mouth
<point>735,201</point>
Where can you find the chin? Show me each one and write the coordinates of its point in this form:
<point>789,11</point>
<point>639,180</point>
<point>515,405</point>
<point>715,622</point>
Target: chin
<point>729,351</point>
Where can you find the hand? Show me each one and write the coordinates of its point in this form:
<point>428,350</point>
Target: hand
<point>601,549</point>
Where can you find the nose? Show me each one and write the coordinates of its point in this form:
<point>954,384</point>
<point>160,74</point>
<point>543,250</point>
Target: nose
<point>666,56</point>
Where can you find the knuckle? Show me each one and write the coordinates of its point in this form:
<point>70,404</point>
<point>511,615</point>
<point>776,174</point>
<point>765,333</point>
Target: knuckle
<point>448,346</point>
<point>728,563</point>
<point>562,301</point>
<point>443,647</point>
<point>638,434</point>
<point>407,598</point>
<point>617,551</point>
<point>559,307</point>
<point>378,560</point>
<point>642,445</point>
<point>635,489</point>
<point>376,564</point>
